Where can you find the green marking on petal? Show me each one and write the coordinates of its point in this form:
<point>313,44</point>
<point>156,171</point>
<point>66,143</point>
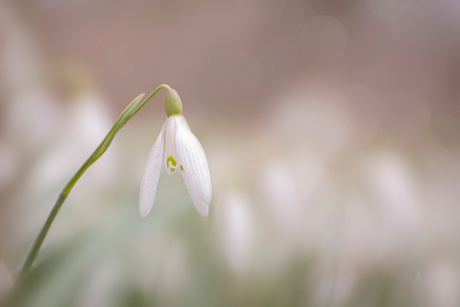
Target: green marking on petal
<point>170,158</point>
<point>181,168</point>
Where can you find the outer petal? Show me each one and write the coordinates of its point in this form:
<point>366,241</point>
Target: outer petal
<point>196,173</point>
<point>151,175</point>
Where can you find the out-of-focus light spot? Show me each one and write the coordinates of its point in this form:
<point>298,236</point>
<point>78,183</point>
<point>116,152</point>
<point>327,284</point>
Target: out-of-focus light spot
<point>324,39</point>
<point>310,173</point>
<point>359,232</point>
<point>414,28</point>
<point>310,177</point>
<point>238,231</point>
<point>408,119</point>
<point>442,281</point>
<point>365,110</point>
<point>302,120</point>
<point>389,10</point>
<point>234,72</point>
<point>91,118</point>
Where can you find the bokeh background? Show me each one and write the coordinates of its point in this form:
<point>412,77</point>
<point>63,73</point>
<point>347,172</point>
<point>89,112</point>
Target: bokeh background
<point>332,130</point>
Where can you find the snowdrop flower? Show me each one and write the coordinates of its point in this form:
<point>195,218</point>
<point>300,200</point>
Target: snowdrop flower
<point>181,152</point>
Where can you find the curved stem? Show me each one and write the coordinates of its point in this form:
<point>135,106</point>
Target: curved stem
<point>124,117</point>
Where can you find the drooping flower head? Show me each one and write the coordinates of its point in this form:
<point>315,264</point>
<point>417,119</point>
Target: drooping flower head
<point>181,152</point>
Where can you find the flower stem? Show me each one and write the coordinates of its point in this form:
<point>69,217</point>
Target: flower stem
<point>124,117</point>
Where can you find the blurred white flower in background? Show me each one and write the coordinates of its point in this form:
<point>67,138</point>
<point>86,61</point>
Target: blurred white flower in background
<point>360,246</point>
<point>87,122</point>
<point>281,196</point>
<point>394,192</point>
<point>310,173</point>
<point>238,230</point>
<point>396,206</point>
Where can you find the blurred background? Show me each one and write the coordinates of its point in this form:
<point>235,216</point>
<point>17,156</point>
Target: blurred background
<point>332,130</point>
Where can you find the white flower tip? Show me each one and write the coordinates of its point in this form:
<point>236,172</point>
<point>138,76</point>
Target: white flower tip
<point>146,199</point>
<point>143,215</point>
<point>143,210</point>
<point>203,210</point>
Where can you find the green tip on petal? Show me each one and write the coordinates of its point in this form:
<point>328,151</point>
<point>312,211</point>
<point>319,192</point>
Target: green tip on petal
<point>173,104</point>
<point>173,161</point>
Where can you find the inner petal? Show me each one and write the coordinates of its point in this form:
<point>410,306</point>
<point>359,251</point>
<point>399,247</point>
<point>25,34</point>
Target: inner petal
<point>170,155</point>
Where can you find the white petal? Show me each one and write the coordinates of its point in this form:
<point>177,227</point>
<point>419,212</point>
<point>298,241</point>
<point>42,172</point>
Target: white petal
<point>151,175</point>
<point>196,173</point>
<point>201,206</point>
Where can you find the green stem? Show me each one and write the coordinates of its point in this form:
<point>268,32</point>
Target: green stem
<point>124,117</point>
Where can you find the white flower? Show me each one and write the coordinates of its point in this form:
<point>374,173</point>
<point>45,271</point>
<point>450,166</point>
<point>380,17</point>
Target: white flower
<point>181,152</point>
